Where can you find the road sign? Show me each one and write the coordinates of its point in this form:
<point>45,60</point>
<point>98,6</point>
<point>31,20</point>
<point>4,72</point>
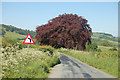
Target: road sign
<point>28,40</point>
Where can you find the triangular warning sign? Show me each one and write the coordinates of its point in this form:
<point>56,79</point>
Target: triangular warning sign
<point>28,40</point>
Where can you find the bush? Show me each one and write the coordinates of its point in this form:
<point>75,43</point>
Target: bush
<point>99,50</point>
<point>47,48</point>
<point>3,32</point>
<point>113,49</point>
<point>92,47</point>
<point>26,63</point>
<point>105,43</point>
<point>6,42</point>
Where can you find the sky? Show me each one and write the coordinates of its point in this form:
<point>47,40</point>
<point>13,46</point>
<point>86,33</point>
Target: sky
<point>102,16</point>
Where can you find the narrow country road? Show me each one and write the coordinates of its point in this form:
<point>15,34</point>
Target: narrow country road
<point>72,68</point>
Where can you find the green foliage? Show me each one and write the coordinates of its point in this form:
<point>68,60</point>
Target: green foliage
<point>105,43</point>
<point>3,32</point>
<point>99,50</point>
<point>113,49</point>
<point>10,28</point>
<point>104,48</point>
<point>12,41</point>
<point>27,63</point>
<point>47,48</point>
<point>14,35</point>
<point>92,47</point>
<point>6,42</point>
<point>99,37</point>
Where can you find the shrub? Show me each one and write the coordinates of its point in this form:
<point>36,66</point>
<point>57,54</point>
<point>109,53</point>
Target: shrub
<point>99,50</point>
<point>26,63</point>
<point>3,32</point>
<point>13,43</point>
<point>113,49</point>
<point>105,43</point>
<point>5,43</point>
<point>47,48</point>
<point>92,47</point>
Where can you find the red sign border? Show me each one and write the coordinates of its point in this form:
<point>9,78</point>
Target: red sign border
<point>26,38</point>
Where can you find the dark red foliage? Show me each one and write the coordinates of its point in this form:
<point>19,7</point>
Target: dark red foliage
<point>66,31</point>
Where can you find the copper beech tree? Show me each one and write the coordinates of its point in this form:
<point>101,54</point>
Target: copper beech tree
<point>66,30</point>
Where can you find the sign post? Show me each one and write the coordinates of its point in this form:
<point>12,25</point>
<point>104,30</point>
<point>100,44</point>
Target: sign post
<point>28,45</point>
<point>28,40</point>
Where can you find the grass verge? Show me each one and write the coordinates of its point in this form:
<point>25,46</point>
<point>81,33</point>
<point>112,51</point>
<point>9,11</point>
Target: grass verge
<point>105,61</point>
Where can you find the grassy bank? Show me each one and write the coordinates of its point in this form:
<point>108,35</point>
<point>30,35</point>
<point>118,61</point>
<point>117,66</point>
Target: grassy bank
<point>105,61</point>
<point>28,62</point>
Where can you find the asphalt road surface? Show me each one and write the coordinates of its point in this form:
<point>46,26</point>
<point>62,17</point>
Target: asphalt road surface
<point>73,68</point>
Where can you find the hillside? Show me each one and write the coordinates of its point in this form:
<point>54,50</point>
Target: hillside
<point>14,35</point>
<point>17,33</point>
<point>99,37</point>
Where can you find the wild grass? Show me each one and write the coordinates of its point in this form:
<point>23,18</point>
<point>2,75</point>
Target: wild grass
<point>27,62</point>
<point>14,35</point>
<point>104,48</point>
<point>105,61</point>
<point>0,41</point>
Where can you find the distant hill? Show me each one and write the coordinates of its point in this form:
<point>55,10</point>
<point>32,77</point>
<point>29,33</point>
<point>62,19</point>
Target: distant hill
<point>99,37</point>
<point>104,36</point>
<point>17,33</point>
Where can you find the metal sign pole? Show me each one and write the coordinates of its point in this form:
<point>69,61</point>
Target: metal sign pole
<point>28,45</point>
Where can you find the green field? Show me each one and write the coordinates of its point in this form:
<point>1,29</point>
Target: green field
<point>14,35</point>
<point>99,37</point>
<point>107,36</point>
<point>104,48</point>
